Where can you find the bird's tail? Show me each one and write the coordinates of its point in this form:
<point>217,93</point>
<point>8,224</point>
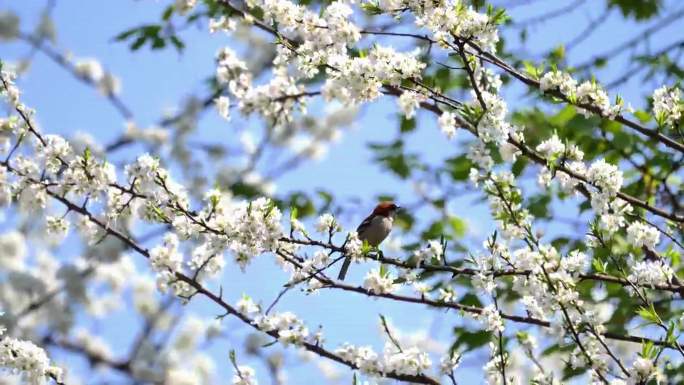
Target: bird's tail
<point>345,264</point>
<point>343,270</point>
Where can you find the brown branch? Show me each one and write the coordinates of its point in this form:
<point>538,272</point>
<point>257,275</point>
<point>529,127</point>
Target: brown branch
<point>649,132</point>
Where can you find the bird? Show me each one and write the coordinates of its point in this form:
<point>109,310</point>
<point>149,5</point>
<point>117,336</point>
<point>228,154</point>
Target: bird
<point>374,229</point>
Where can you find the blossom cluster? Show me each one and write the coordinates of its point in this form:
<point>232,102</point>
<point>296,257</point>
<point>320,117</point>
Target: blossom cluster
<point>309,268</point>
<point>244,375</point>
<point>588,93</point>
<point>607,180</point>
<point>446,19</point>
<point>360,79</point>
<point>651,273</point>
<point>492,125</point>
<point>505,201</point>
<point>29,360</point>
<point>641,234</point>
<point>245,229</point>
<point>569,155</point>
<point>91,71</point>
<point>409,361</point>
<point>273,101</point>
<point>290,329</point>
<point>492,319</point>
<point>667,105</point>
<point>432,251</point>
<point>409,100</point>
<point>379,281</point>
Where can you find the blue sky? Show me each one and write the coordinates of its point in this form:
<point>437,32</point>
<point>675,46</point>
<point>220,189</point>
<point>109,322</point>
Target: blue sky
<point>154,82</point>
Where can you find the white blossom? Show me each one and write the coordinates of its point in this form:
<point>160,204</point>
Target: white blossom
<point>244,375</point>
<point>57,226</point>
<point>327,223</point>
<point>90,69</point>
<point>492,126</point>
<point>184,6</point>
<point>290,329</point>
<point>607,177</point>
<point>209,258</point>
<point>667,105</point>
<point>576,261</point>
<point>363,357</point>
<point>479,154</point>
<point>408,102</point>
<point>445,19</point>
<point>27,359</point>
<point>359,79</point>
<point>644,368</point>
<point>409,361</point>
<point>591,93</point>
<point>558,80</point>
<point>491,318</point>
<point>223,107</point>
<point>551,147</point>
<point>433,251</point>
<point>222,23</point>
<point>247,307</point>
<point>509,152</point>
<point>449,363</point>
<point>153,134</point>
<point>651,273</point>
<point>641,234</point>
<point>484,282</point>
<point>379,282</point>
<point>447,294</point>
<point>447,123</point>
<point>13,250</point>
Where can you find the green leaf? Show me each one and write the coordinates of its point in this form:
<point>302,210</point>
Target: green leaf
<point>648,349</point>
<point>649,314</point>
<point>435,230</point>
<point>470,299</point>
<point>519,166</point>
<point>563,116</point>
<point>177,43</point>
<point>168,12</point>
<point>638,9</point>
<point>139,42</point>
<point>467,340</point>
<point>158,43</point>
<point>600,62</point>
<point>643,116</point>
<point>371,8</point>
<point>407,125</point>
<point>458,226</point>
<point>383,270</point>
<point>538,205</point>
<point>126,34</point>
<point>531,69</point>
<point>459,167</point>
<point>366,247</point>
<point>393,157</point>
<point>598,265</point>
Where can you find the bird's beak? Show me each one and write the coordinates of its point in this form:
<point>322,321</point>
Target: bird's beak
<point>399,208</point>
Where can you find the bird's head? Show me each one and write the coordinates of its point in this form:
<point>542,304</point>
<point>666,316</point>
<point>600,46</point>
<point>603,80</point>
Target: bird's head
<point>386,208</point>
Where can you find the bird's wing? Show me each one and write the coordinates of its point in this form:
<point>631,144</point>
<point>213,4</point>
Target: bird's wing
<point>364,225</point>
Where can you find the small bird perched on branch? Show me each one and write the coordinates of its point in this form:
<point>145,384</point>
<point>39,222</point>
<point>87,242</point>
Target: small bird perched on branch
<point>374,229</point>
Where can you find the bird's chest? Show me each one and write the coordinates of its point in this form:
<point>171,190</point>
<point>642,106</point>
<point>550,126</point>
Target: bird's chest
<point>378,230</point>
